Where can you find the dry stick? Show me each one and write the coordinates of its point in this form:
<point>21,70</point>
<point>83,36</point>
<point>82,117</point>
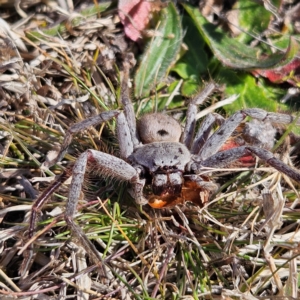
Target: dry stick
<point>79,288</point>
<point>52,288</point>
<point>38,234</point>
<point>39,292</point>
<point>163,271</point>
<point>9,281</point>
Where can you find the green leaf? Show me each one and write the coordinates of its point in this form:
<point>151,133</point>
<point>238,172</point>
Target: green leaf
<point>190,87</point>
<point>194,62</point>
<point>183,69</point>
<point>253,17</point>
<point>251,95</point>
<point>233,53</point>
<point>161,52</point>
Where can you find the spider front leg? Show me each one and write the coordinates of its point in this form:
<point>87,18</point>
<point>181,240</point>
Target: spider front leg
<point>78,127</point>
<point>108,166</point>
<point>103,117</point>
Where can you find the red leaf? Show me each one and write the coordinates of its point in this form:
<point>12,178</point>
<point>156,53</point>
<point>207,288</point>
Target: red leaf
<point>289,73</point>
<point>288,70</point>
<point>134,15</point>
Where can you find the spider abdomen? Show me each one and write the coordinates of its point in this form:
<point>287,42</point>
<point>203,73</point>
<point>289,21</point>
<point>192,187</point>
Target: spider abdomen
<point>158,127</point>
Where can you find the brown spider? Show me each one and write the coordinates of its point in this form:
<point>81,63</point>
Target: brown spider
<point>157,156</point>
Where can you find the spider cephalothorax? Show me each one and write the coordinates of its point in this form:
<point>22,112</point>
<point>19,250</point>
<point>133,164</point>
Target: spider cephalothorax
<point>165,162</point>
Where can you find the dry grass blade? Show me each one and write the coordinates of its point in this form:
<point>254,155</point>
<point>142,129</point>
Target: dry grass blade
<point>60,63</point>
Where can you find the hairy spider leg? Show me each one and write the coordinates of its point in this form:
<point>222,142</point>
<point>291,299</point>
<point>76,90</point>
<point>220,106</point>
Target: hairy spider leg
<point>215,142</point>
<point>36,207</point>
<point>108,166</point>
<point>124,136</point>
<point>205,130</point>
<point>102,117</point>
<point>223,158</point>
<point>127,105</point>
<point>190,124</point>
<point>78,127</point>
